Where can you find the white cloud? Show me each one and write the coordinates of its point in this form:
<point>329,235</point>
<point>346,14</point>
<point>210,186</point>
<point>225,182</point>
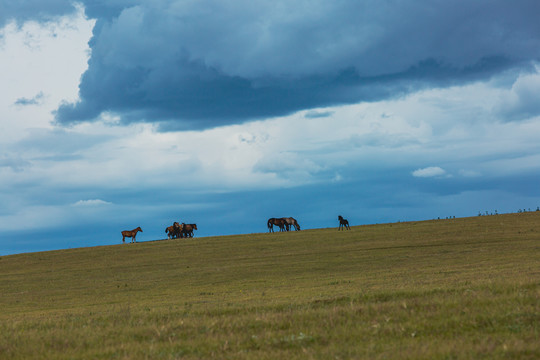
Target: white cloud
<point>41,66</point>
<point>92,202</point>
<point>522,101</point>
<point>432,171</point>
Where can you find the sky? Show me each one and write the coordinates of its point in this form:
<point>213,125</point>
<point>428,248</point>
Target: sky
<point>124,113</point>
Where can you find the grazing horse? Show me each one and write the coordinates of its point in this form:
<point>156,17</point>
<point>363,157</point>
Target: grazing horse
<point>278,222</point>
<point>343,223</point>
<point>289,221</point>
<point>130,234</point>
<point>188,229</point>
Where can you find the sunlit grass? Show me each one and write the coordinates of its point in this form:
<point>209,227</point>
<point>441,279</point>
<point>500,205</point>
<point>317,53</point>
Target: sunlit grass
<point>460,288</point>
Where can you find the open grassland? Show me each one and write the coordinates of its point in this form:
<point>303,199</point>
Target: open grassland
<point>446,289</point>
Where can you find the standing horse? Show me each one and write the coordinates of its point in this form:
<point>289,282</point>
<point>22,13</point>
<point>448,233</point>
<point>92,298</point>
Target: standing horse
<point>278,222</point>
<point>169,230</point>
<point>174,231</point>
<point>289,221</point>
<point>343,223</point>
<point>178,230</point>
<point>130,234</point>
<point>188,229</point>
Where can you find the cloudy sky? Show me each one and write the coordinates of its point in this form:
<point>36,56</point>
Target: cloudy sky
<point>124,113</point>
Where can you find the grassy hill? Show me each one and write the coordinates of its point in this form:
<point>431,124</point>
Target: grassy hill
<point>442,289</point>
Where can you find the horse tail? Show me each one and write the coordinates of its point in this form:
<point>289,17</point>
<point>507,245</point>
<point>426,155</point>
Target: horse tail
<point>270,224</point>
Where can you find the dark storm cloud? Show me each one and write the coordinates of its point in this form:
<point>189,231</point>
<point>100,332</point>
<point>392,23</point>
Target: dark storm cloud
<point>200,64</point>
<point>37,10</point>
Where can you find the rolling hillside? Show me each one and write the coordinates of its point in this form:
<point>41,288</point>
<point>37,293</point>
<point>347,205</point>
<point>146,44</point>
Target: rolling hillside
<point>442,289</point>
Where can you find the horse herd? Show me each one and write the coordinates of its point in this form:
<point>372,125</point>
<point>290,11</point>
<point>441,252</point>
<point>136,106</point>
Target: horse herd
<point>177,230</point>
<point>284,224</point>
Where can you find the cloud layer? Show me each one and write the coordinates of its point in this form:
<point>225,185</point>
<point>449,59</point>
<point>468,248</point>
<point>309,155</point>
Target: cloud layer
<point>201,64</point>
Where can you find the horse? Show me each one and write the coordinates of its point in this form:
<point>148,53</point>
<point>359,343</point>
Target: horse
<point>130,234</point>
<point>188,229</point>
<point>343,223</point>
<point>289,221</point>
<point>178,230</point>
<point>169,230</point>
<point>278,222</point>
<point>174,231</point>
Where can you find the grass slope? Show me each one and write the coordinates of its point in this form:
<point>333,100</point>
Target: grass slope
<point>446,289</point>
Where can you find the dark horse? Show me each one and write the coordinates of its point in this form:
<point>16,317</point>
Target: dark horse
<point>289,221</point>
<point>187,229</point>
<point>343,223</point>
<point>278,222</point>
<point>130,234</point>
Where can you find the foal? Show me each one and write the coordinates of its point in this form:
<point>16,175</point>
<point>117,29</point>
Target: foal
<point>343,223</point>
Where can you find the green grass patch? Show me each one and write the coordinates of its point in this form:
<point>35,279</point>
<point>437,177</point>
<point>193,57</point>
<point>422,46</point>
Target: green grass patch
<point>448,289</point>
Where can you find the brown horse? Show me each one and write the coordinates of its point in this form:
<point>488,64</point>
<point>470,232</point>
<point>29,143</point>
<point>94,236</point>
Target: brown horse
<point>169,230</point>
<point>130,234</point>
<point>188,229</point>
<point>174,231</point>
<point>343,223</point>
<point>289,221</point>
<point>278,222</point>
<point>178,230</point>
